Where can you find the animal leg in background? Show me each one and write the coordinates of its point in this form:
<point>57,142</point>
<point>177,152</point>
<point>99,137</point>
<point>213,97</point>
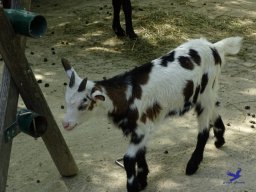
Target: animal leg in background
<point>127,8</point>
<point>116,18</point>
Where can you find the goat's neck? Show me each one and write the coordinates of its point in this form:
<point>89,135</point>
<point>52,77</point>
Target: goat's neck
<point>115,96</point>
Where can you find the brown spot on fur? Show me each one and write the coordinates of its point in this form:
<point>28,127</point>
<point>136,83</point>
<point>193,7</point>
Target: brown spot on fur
<point>127,120</point>
<point>151,113</point>
<point>141,74</point>
<point>122,115</point>
<point>143,118</point>
<point>195,97</point>
<point>91,106</point>
<point>136,93</point>
<point>118,98</point>
<point>186,63</point>
<point>204,82</point>
<point>199,109</point>
<point>188,90</point>
<point>172,113</point>
<point>167,58</point>
<point>195,56</point>
<point>216,56</point>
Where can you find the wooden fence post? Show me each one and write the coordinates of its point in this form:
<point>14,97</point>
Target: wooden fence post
<point>9,97</point>
<point>8,102</point>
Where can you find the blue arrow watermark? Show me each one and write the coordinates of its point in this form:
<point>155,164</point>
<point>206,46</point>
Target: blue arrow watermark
<point>234,176</point>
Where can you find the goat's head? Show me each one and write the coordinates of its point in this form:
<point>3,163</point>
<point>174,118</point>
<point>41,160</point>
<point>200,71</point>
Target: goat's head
<point>80,96</point>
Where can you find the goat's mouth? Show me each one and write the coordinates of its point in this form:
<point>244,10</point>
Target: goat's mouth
<point>68,126</point>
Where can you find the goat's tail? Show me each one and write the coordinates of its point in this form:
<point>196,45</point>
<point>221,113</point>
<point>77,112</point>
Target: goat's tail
<point>229,45</point>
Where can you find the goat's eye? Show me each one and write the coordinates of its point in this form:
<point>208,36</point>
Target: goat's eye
<point>82,107</point>
<point>84,99</point>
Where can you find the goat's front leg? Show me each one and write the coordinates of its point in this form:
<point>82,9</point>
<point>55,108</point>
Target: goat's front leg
<point>130,168</point>
<point>142,166</point>
<point>203,135</point>
<point>136,180</point>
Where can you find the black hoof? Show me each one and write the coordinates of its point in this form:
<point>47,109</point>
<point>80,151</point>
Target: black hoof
<point>193,165</point>
<point>134,187</point>
<point>118,31</point>
<point>191,169</point>
<point>219,143</point>
<point>142,183</point>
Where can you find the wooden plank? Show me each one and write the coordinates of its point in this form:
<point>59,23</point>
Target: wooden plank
<point>8,101</point>
<point>33,97</point>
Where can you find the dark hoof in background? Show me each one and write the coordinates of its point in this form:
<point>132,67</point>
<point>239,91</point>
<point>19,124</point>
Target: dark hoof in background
<point>118,31</point>
<point>219,143</point>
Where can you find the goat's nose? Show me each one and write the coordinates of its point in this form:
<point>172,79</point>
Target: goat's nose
<point>65,124</point>
<point>68,125</point>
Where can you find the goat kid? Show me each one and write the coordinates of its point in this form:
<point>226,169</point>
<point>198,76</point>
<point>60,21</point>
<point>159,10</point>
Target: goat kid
<point>140,99</point>
<point>127,9</point>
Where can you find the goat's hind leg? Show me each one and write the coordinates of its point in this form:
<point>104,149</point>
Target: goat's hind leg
<point>203,135</point>
<point>218,129</point>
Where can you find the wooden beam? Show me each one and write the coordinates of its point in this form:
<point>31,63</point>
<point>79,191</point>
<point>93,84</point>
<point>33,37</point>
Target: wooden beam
<point>9,97</point>
<point>8,102</point>
<point>33,97</point>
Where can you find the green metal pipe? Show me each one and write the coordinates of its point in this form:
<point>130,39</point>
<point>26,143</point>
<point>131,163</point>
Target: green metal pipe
<point>28,122</point>
<point>27,23</point>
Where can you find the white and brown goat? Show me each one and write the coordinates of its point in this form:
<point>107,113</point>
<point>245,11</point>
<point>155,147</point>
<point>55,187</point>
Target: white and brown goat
<point>138,100</point>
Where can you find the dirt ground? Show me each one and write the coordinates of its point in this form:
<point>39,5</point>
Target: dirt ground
<point>81,31</point>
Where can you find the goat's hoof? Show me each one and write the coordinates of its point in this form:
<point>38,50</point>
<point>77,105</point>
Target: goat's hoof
<point>142,184</point>
<point>192,167</point>
<point>133,187</point>
<point>219,143</point>
<point>118,31</point>
<point>191,170</point>
<point>142,178</point>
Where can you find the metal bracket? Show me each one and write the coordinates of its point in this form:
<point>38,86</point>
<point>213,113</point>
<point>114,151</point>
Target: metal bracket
<point>11,132</point>
<point>28,122</point>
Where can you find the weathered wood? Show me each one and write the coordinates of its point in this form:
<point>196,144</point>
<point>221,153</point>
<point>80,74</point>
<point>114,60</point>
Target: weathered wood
<point>33,97</point>
<point>8,101</point>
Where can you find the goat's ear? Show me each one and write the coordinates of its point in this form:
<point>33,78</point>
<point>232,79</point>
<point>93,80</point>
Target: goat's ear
<point>98,95</point>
